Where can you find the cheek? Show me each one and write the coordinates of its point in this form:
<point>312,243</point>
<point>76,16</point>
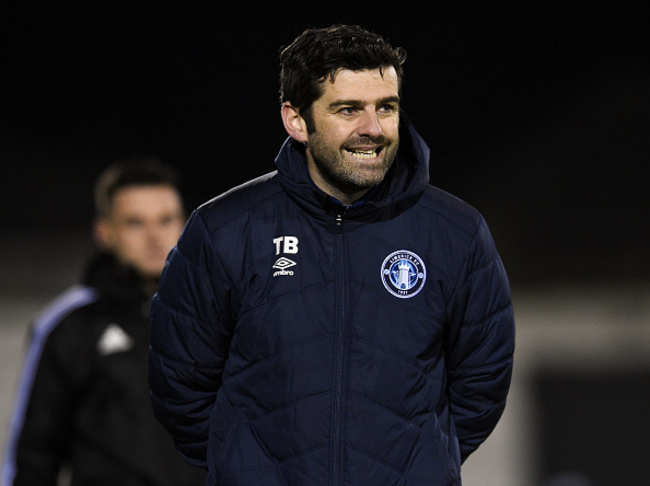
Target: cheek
<point>390,127</point>
<point>171,237</point>
<point>333,134</point>
<point>129,242</point>
<point>337,140</point>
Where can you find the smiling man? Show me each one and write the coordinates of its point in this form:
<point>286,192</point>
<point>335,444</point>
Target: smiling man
<point>339,321</point>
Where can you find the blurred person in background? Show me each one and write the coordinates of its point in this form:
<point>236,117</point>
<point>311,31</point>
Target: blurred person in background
<point>83,409</point>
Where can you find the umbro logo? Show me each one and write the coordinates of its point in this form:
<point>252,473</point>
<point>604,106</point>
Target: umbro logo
<point>285,244</point>
<point>281,265</point>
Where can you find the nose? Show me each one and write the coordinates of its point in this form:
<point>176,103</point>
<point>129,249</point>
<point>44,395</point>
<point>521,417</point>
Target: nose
<point>369,123</point>
<point>154,232</point>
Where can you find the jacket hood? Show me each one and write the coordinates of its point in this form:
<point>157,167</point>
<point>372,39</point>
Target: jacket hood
<point>405,180</point>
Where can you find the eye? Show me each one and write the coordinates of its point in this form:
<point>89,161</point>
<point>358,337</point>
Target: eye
<point>134,223</point>
<point>167,220</point>
<point>348,110</point>
<point>388,108</point>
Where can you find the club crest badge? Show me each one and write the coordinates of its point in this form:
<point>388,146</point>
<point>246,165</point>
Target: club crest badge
<point>403,274</point>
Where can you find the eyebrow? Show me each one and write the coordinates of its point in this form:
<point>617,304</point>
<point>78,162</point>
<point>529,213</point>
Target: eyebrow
<point>353,102</point>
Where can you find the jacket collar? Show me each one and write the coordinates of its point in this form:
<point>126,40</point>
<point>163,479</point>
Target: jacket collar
<point>113,280</point>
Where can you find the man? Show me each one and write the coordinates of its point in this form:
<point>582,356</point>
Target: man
<point>339,321</point>
<point>83,402</point>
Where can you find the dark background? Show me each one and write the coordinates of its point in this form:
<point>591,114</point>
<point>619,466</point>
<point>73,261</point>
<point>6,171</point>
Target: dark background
<point>595,425</point>
<point>536,113</point>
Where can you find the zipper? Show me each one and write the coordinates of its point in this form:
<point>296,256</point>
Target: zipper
<point>339,355</point>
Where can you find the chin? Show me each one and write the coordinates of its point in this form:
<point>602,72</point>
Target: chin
<point>150,273</point>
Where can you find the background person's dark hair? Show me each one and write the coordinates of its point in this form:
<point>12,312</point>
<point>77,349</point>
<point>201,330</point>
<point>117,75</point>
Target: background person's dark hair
<point>320,53</point>
<point>133,171</point>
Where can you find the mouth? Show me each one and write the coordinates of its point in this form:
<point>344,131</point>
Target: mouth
<point>365,154</point>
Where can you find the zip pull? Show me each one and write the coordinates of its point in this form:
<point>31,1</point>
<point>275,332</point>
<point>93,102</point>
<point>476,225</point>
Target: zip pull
<point>339,219</point>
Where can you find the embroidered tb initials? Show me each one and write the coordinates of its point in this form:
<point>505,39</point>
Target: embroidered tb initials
<point>286,244</point>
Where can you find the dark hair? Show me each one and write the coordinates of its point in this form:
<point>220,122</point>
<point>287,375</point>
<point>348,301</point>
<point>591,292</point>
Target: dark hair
<point>132,171</point>
<point>320,53</point>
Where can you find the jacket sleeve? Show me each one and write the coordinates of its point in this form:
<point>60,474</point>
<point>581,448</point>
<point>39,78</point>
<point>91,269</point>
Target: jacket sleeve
<point>480,343</point>
<point>43,417</point>
<point>189,340</point>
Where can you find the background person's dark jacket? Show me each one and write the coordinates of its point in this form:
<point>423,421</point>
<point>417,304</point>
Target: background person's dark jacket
<point>283,355</point>
<point>83,400</point>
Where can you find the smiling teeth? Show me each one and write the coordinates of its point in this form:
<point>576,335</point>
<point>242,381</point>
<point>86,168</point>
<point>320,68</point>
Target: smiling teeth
<point>363,154</point>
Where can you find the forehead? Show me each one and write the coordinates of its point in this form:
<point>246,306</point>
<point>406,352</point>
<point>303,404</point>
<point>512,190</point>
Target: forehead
<point>366,84</point>
<point>145,199</point>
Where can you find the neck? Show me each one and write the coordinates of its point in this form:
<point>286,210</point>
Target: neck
<point>150,286</point>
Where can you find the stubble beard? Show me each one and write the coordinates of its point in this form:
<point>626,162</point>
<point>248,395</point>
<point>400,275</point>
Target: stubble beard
<point>341,171</point>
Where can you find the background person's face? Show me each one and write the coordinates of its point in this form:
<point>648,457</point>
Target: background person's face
<point>356,132</point>
<point>142,227</point>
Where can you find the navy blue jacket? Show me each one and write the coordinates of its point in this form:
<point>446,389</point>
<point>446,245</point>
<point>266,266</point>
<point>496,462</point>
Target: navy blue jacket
<point>298,342</point>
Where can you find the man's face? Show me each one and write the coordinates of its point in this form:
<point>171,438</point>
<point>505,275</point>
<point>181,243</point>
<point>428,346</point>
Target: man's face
<point>143,225</point>
<point>356,132</point>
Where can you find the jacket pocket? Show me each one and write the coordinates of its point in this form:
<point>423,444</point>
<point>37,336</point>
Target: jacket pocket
<point>234,446</point>
<point>431,458</point>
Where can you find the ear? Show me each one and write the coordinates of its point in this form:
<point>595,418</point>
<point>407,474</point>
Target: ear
<point>103,234</point>
<point>293,122</point>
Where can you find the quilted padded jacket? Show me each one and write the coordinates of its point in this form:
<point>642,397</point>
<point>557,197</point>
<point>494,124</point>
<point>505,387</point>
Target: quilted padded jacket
<point>299,342</point>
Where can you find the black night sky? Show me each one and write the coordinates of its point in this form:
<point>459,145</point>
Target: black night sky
<point>537,113</point>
